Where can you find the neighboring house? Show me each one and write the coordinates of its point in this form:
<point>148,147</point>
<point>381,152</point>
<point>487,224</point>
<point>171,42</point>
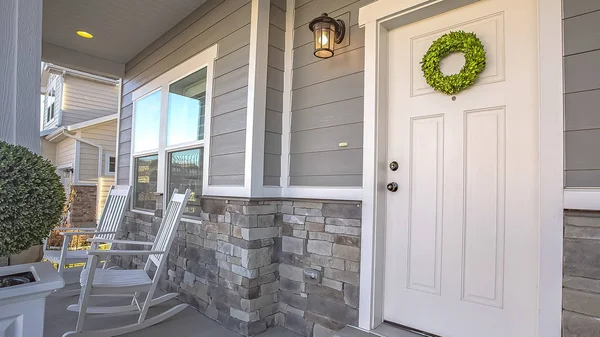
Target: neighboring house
<point>346,191</point>
<point>79,135</point>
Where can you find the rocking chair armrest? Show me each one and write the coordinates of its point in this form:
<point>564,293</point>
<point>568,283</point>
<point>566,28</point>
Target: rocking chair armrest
<point>79,229</point>
<point>102,253</point>
<point>128,242</point>
<point>83,233</point>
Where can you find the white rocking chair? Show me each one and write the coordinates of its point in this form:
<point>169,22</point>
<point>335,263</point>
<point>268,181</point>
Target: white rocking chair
<point>118,283</point>
<point>108,225</point>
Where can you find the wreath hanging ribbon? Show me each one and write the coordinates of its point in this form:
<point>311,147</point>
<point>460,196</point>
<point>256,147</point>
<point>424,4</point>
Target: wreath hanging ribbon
<point>454,42</point>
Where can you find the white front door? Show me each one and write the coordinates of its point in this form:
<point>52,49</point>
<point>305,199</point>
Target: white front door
<point>462,229</point>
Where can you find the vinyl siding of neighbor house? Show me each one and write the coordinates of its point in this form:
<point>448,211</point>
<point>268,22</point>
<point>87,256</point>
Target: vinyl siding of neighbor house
<point>222,22</point>
<point>105,135</point>
<point>273,115</point>
<point>48,150</point>
<point>327,100</point>
<point>55,82</point>
<point>582,92</point>
<point>85,100</point>
<point>65,153</point>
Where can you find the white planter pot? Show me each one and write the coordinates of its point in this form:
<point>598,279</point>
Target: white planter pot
<point>22,306</point>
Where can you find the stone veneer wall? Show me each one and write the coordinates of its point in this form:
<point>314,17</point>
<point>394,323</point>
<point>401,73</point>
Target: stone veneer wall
<point>581,280</point>
<point>228,267</point>
<point>322,239</point>
<point>83,209</point>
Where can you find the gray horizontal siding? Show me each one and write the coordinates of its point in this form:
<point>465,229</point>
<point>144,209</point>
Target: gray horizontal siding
<point>328,163</point>
<point>222,22</point>
<point>581,178</point>
<point>582,110</point>
<point>228,165</point>
<point>577,7</point>
<point>229,122</point>
<point>327,139</point>
<point>327,101</point>
<point>273,118</point>
<point>582,92</point>
<point>328,115</point>
<point>228,143</point>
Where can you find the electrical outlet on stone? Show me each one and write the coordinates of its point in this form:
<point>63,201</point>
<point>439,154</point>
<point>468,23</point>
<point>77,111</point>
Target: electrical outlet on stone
<point>312,276</point>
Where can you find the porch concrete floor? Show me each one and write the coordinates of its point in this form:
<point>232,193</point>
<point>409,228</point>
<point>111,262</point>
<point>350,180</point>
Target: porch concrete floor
<point>188,323</point>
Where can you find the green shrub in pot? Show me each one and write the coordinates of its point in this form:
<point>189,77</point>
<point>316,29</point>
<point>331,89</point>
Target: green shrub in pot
<point>31,199</point>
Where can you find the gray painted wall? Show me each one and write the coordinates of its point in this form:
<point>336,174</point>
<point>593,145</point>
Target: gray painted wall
<point>327,100</point>
<point>273,118</point>
<point>226,22</point>
<point>20,72</point>
<point>582,92</point>
<point>327,95</point>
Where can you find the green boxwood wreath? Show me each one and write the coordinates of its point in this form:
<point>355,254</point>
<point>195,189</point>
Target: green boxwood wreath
<point>454,42</point>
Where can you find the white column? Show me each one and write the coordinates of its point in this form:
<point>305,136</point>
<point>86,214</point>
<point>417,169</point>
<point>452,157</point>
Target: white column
<point>20,71</point>
<point>257,98</point>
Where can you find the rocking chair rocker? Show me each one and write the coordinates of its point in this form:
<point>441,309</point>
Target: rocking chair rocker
<point>118,283</point>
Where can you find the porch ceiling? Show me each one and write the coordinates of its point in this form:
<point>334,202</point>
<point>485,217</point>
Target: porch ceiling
<point>121,29</point>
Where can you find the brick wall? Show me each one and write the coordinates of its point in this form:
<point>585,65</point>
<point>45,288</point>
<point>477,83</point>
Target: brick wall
<point>83,209</point>
<point>232,268</point>
<point>581,280</point>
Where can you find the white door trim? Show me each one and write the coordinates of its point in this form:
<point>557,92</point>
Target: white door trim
<point>377,19</point>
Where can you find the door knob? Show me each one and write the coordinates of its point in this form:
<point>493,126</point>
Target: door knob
<point>392,187</point>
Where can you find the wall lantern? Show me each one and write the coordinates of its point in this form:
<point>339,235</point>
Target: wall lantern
<point>327,32</point>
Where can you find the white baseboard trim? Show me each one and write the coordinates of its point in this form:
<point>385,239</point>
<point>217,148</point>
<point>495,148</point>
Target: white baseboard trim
<point>582,199</point>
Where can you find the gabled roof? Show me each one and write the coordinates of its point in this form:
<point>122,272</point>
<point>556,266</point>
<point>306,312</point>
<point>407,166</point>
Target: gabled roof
<point>55,134</point>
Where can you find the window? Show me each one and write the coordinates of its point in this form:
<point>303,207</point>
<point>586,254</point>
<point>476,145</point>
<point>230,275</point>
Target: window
<point>50,100</point>
<point>147,123</point>
<point>185,171</point>
<point>110,162</point>
<point>168,132</point>
<point>186,109</point>
<point>145,180</point>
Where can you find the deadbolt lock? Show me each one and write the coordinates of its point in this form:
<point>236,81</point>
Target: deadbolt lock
<point>394,165</point>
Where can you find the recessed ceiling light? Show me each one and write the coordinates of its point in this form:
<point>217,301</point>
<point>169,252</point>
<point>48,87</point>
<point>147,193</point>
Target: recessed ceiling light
<point>84,34</point>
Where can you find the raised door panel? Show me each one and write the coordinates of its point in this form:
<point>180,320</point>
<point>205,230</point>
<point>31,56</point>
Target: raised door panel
<point>484,192</point>
<point>425,219</point>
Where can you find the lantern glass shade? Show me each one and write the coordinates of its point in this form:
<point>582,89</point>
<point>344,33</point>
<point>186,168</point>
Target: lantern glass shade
<point>324,39</point>
<point>327,32</point>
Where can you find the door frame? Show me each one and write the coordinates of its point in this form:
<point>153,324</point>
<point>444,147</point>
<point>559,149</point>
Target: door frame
<point>378,19</point>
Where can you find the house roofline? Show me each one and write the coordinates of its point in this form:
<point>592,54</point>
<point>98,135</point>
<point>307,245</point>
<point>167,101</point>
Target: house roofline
<point>92,122</point>
<point>55,69</point>
<point>53,134</point>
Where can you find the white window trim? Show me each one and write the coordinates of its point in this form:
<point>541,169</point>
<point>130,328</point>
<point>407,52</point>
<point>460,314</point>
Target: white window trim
<point>204,59</point>
<point>107,164</point>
